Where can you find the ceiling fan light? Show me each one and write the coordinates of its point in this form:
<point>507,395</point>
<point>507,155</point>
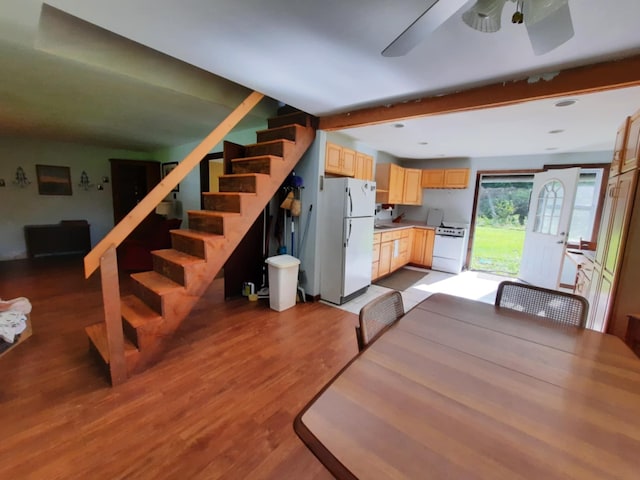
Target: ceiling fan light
<point>548,24</point>
<point>485,15</point>
<point>541,9</point>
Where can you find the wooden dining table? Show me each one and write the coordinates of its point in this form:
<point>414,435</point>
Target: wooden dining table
<point>461,389</point>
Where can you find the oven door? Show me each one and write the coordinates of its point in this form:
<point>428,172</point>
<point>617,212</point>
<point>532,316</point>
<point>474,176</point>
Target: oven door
<point>448,254</point>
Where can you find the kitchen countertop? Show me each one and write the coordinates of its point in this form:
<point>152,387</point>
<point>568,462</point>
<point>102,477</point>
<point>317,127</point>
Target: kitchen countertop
<point>579,256</point>
<point>390,226</point>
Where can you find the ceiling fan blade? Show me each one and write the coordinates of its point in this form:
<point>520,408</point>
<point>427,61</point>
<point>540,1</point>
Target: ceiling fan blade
<point>436,14</point>
<point>548,29</point>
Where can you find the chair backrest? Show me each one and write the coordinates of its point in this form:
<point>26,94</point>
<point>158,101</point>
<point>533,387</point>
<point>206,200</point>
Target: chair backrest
<point>378,314</point>
<point>561,307</point>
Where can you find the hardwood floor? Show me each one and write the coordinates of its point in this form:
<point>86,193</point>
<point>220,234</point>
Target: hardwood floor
<point>220,404</point>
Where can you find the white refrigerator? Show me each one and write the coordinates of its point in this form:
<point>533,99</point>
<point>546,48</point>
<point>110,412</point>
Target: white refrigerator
<point>346,238</point>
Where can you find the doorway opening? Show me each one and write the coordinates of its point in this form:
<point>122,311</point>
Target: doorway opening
<point>502,207</point>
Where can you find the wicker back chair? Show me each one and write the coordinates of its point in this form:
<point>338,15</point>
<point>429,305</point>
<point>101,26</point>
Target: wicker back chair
<point>378,314</point>
<point>561,307</point>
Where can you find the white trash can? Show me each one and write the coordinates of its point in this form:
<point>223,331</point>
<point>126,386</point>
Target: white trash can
<point>283,281</point>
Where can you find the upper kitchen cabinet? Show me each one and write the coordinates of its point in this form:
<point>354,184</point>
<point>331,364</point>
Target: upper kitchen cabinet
<point>412,192</point>
<point>340,160</point>
<point>445,178</point>
<point>389,183</point>
<point>364,166</point>
<point>632,144</point>
<point>619,148</point>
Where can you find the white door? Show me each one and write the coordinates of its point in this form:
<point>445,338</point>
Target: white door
<point>550,211</point>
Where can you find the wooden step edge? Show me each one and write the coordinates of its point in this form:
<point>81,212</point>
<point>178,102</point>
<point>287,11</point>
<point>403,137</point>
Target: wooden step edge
<point>213,213</point>
<point>198,234</point>
<point>268,142</point>
<point>97,334</point>
<point>176,256</point>
<point>257,157</point>
<point>281,127</point>
<point>241,175</point>
<point>226,194</point>
<point>138,313</point>
<point>156,282</point>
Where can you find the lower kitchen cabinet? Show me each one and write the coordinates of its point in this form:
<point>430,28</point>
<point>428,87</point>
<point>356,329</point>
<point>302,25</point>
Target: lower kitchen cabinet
<point>395,249</point>
<point>422,249</point>
<point>384,262</point>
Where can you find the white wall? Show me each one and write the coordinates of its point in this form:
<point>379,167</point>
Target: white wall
<point>188,198</point>
<point>311,168</point>
<point>458,204</point>
<point>24,206</point>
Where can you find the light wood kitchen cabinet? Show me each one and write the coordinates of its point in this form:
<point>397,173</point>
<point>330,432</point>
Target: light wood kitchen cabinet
<point>422,249</point>
<point>376,256</point>
<point>389,183</point>
<point>384,262</point>
<point>391,251</point>
<point>339,160</point>
<point>619,147</point>
<point>364,166</point>
<point>401,249</point>
<point>632,144</point>
<point>445,178</point>
<point>433,178</point>
<point>412,191</point>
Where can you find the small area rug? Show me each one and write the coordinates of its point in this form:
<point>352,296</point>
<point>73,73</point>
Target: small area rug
<point>401,279</point>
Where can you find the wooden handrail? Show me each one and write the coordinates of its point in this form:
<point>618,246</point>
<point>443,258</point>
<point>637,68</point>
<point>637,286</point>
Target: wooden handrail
<point>168,183</point>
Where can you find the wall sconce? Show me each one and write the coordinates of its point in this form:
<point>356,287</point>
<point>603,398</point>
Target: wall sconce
<point>84,181</point>
<point>21,178</point>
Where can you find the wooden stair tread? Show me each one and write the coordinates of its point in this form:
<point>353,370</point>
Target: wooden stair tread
<point>243,175</point>
<point>178,257</point>
<point>281,128</point>
<point>256,157</point>
<point>197,234</point>
<point>137,312</point>
<point>280,140</point>
<point>98,335</point>
<point>156,282</point>
<point>214,213</point>
<point>222,194</point>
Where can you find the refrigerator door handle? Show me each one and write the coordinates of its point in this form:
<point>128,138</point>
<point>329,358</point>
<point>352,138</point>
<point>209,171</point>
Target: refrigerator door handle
<point>348,235</point>
<point>350,202</point>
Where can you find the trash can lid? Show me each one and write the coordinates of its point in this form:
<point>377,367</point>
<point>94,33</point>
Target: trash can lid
<point>283,261</point>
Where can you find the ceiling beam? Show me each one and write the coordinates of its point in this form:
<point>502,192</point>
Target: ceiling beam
<point>592,78</point>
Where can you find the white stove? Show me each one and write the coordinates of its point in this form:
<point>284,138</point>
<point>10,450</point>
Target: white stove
<point>451,231</point>
<point>449,249</point>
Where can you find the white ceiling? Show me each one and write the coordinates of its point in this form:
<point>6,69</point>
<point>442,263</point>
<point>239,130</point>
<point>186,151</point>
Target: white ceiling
<point>324,57</point>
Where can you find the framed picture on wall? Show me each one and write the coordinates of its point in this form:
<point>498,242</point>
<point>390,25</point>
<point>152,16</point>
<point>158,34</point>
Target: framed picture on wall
<point>53,180</point>
<point>166,170</point>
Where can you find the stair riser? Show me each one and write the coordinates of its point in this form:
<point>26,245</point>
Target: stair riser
<point>170,270</point>
<point>300,118</point>
<point>147,296</point>
<point>286,133</point>
<point>192,246</point>
<point>273,148</point>
<point>140,339</point>
<point>206,223</point>
<point>131,362</point>
<point>223,203</point>
<point>238,184</point>
<point>252,166</point>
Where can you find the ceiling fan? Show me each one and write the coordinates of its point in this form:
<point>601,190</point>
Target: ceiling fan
<point>548,22</point>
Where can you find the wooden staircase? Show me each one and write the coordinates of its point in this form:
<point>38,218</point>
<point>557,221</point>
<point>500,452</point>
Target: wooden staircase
<point>162,298</point>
